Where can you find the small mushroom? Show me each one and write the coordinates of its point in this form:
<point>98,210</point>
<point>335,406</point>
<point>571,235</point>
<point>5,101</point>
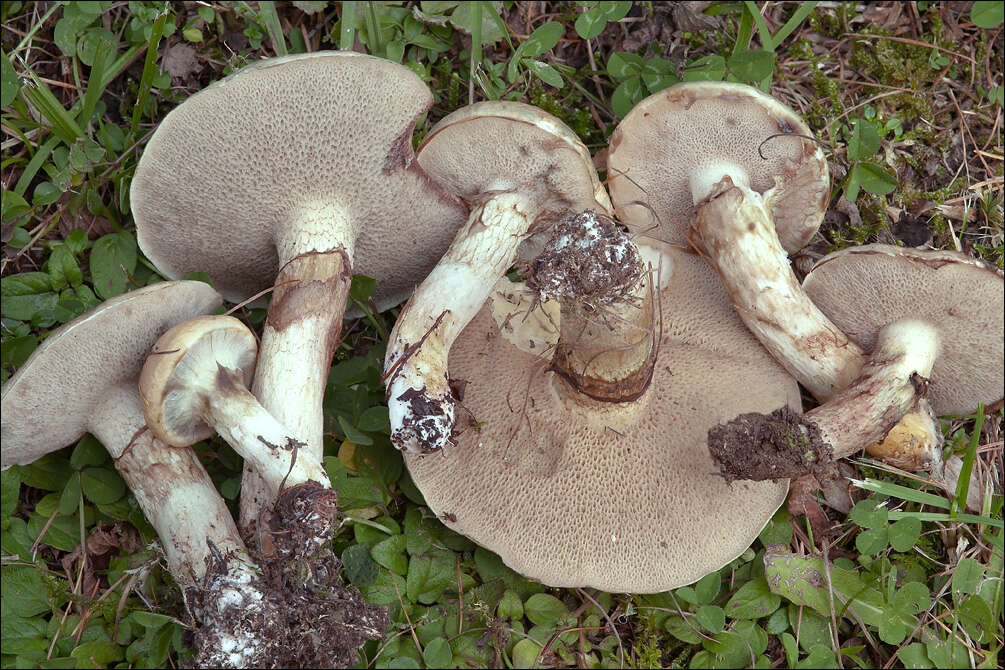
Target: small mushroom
<point>297,170</point>
<point>83,379</point>
<point>521,170</point>
<point>194,383</point>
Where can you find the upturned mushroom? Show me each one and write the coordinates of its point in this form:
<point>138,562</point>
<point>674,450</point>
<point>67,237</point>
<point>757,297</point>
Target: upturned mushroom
<point>194,383</point>
<point>83,379</point>
<point>617,493</point>
<point>299,171</point>
<point>941,307</point>
<point>521,170</point>
<point>740,174</point>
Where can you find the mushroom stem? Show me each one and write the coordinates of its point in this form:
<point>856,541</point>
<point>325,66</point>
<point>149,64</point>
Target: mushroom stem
<point>892,380</point>
<point>419,398</point>
<point>179,499</point>
<point>299,339</point>
<point>734,228</point>
<point>915,443</point>
<point>606,345</point>
<point>259,438</point>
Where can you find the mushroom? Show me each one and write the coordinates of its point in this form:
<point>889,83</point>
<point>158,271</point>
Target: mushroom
<point>758,184</point>
<point>297,170</point>
<point>194,383</point>
<point>521,170</point>
<point>937,305</point>
<point>754,174</point>
<point>83,379</point>
<point>618,494</point>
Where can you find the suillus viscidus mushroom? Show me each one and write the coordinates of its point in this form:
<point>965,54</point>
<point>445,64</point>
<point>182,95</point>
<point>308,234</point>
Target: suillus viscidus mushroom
<point>590,468</point>
<point>83,378</point>
<point>756,184</point>
<point>194,383</point>
<point>520,169</point>
<point>933,323</point>
<point>297,171</point>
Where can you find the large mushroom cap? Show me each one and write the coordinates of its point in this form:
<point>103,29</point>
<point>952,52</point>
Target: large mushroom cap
<point>53,398</point>
<point>691,126</point>
<point>862,289</point>
<point>326,132</point>
<point>618,496</point>
<point>499,145</point>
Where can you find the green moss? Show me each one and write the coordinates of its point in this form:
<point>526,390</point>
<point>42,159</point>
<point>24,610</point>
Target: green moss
<point>573,110</point>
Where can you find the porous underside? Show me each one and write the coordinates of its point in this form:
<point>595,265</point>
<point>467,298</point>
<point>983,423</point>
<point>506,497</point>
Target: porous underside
<point>626,498</point>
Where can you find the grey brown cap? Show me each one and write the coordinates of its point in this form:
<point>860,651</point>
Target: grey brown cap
<point>618,496</point>
<point>665,138</point>
<point>232,165</point>
<point>77,375</point>
<point>501,145</point>
<point>861,289</point>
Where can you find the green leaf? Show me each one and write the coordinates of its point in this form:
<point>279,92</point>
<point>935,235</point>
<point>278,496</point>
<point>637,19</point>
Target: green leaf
<point>10,492</point>
<point>624,65</point>
<point>461,18</point>
<point>391,554</point>
<point>525,653</point>
<point>49,473</point>
<point>10,84</point>
<point>112,260</point>
<point>987,14</point>
<point>967,576</point>
<point>88,452</point>
<point>416,534</point>
<point>69,498</point>
<point>151,620</point>
<point>102,485</point>
<point>869,514</point>
<point>950,653</point>
<point>544,72</point>
<point>543,39</point>
<point>914,656</point>
<point>591,23</point>
<point>904,533</point>
<point>360,568</point>
<point>820,656</point>
<point>711,617</point>
<point>975,616</point>
<point>707,588</point>
<point>27,296</point>
<point>510,606</point>
<point>437,654</point>
<point>352,434</point>
<point>626,95</point>
<point>864,140</point>
<point>706,68</point>
<point>753,600</point>
<point>911,598</point>
<point>430,575</point>
<point>374,418</point>
<point>874,179</point>
<point>752,66</point>
<point>614,11</point>
<point>62,268</point>
<point>24,592</point>
<point>872,541</point>
<point>97,654</point>
<point>543,609</point>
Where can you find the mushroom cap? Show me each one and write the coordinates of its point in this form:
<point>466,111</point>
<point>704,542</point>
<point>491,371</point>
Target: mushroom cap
<point>623,497</point>
<point>58,394</point>
<point>230,168</point>
<point>687,127</point>
<point>501,145</point>
<point>180,374</point>
<point>862,289</point>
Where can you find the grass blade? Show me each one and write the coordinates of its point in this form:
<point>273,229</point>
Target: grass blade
<point>61,123</point>
<point>347,28</point>
<point>95,83</point>
<point>762,27</point>
<point>149,66</point>
<point>33,166</point>
<point>476,48</point>
<point>373,41</point>
<point>802,11</point>
<point>940,516</point>
<point>963,485</point>
<point>902,492</point>
<point>267,8</point>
